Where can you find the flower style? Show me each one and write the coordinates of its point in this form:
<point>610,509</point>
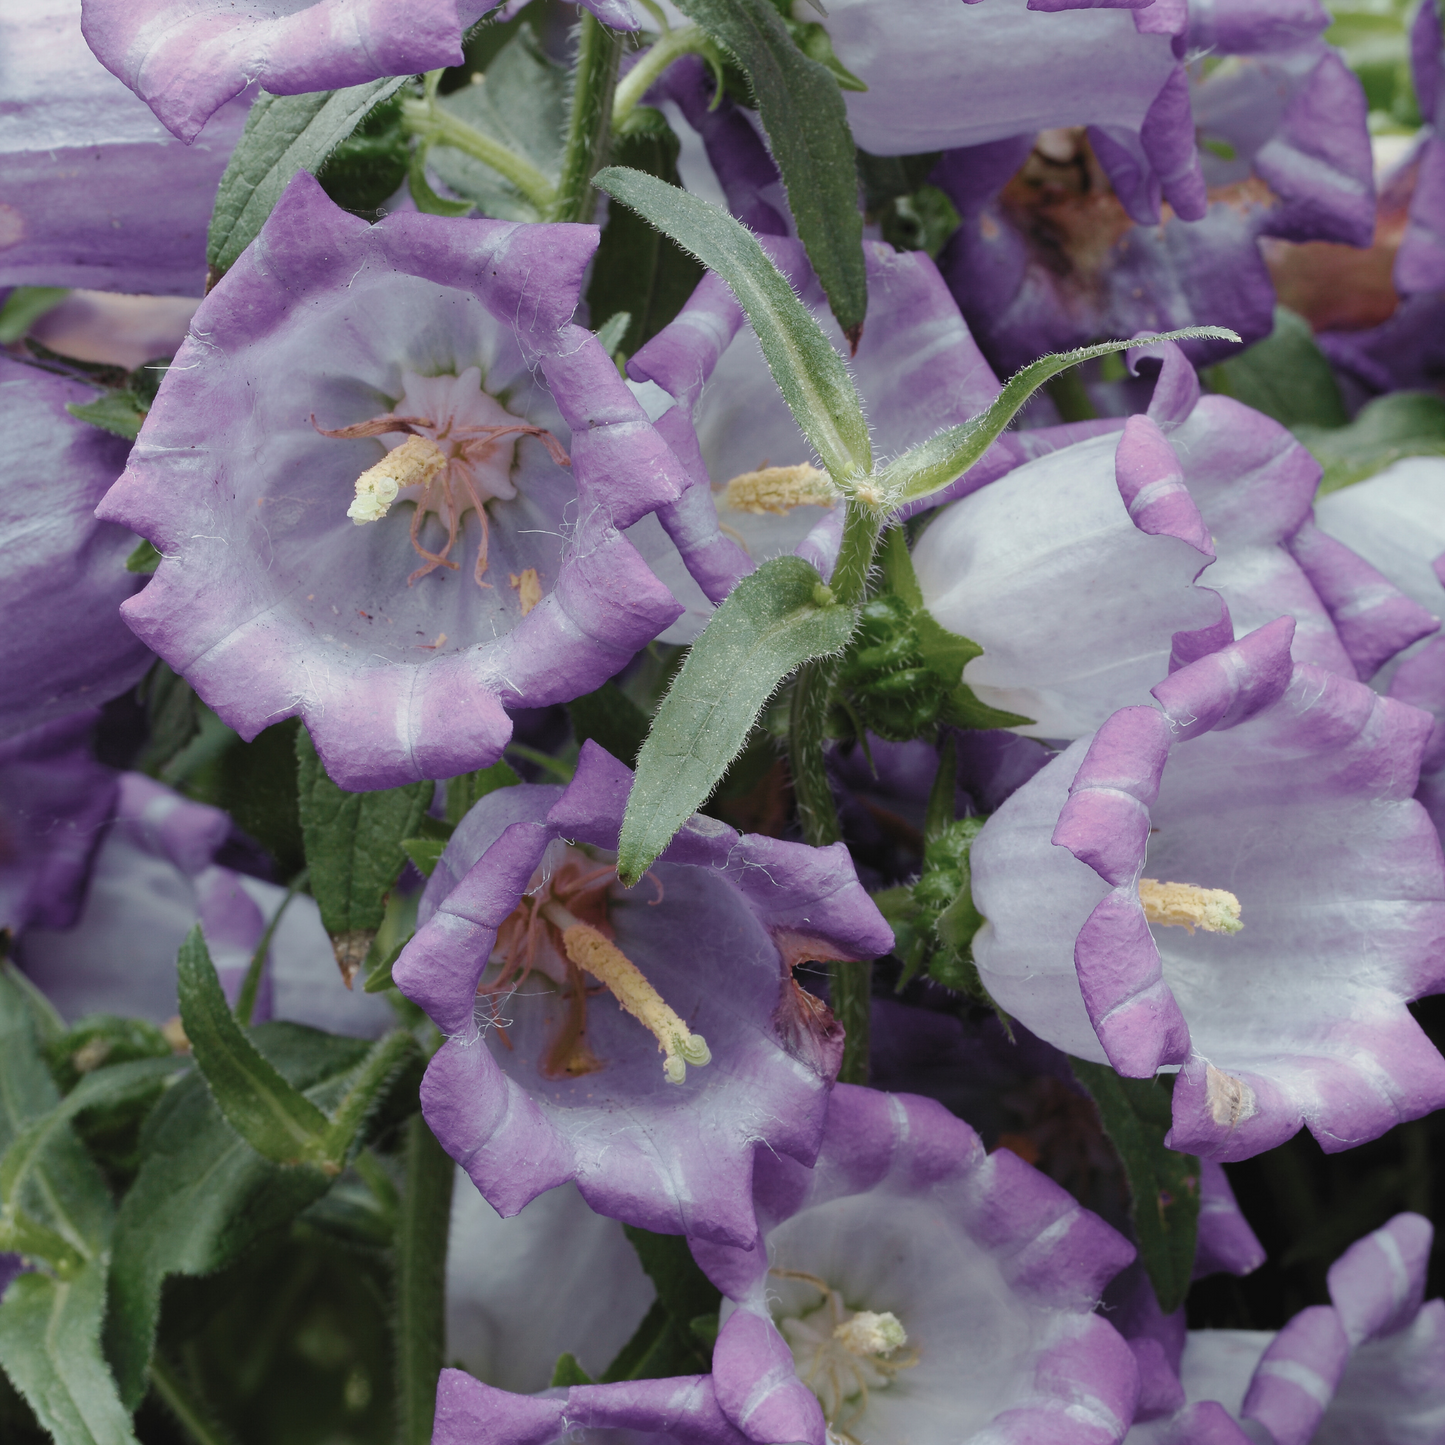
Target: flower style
<point>910,1286</point>
<point>1198,484</point>
<point>1290,789</point>
<point>560,991</point>
<point>55,801</point>
<point>93,191</point>
<point>753,490</point>
<point>153,877</point>
<point>1063,239</point>
<point>1369,1366</point>
<point>65,572</point>
<point>412,344</point>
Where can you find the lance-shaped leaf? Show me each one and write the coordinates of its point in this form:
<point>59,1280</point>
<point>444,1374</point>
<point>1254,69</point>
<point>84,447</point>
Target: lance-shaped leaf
<point>772,622</point>
<point>50,1348</point>
<point>355,851</point>
<point>806,121</point>
<point>1164,1185</point>
<point>284,134</point>
<point>274,1118</point>
<point>203,1195</point>
<point>932,465</point>
<point>810,374</point>
<point>120,1084</point>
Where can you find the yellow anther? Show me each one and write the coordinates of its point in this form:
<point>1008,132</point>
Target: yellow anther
<point>1182,905</point>
<point>414,463</point>
<point>528,587</point>
<point>780,489</point>
<point>867,1333</point>
<point>607,963</point>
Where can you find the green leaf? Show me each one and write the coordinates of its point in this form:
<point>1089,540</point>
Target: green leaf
<point>567,1372</point>
<point>521,104</point>
<point>367,168</point>
<point>666,1342</point>
<point>932,465</point>
<point>203,1195</point>
<point>811,375</point>
<point>117,411</point>
<point>24,306</point>
<point>144,559</point>
<point>806,122</point>
<point>468,789</point>
<point>1402,424</point>
<point>275,1119</point>
<point>284,134</point>
<point>638,270</point>
<point>354,851</point>
<point>610,333</point>
<point>107,1087</point>
<point>1164,1185</point>
<point>422,192</point>
<point>50,1348</point>
<point>99,1041</point>
<point>426,853</point>
<point>772,622</point>
<point>610,719</point>
<point>1285,376</point>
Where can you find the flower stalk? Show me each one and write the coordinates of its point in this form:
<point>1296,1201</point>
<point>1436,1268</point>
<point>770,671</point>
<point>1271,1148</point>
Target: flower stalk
<point>594,78</point>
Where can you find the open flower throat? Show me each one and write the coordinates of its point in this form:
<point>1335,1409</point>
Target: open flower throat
<point>842,1354</point>
<point>560,930</point>
<point>451,446</point>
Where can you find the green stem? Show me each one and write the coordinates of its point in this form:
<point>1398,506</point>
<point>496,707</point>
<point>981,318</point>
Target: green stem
<point>689,40</point>
<point>385,1057</point>
<point>421,1268</point>
<point>373,1174</point>
<point>189,1413</point>
<point>861,531</point>
<point>425,119</point>
<point>593,80</point>
<point>251,984</point>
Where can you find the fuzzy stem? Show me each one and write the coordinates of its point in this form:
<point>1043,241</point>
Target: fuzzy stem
<point>689,40</point>
<point>588,126</point>
<point>251,984</point>
<point>423,118</point>
<point>421,1266</point>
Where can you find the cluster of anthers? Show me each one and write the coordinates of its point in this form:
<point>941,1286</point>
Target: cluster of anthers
<point>841,1354</point>
<point>545,934</point>
<point>444,466</point>
<point>1183,905</point>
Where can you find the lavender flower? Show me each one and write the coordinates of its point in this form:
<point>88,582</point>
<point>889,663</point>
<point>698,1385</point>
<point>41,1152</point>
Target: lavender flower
<point>909,1286</point>
<point>1274,806</point>
<point>55,801</point>
<point>1033,566</point>
<point>679,1411</point>
<point>65,572</point>
<point>1369,1366</point>
<point>340,363</point>
<point>1420,261</point>
<point>1063,239</point>
<point>93,192</point>
<point>152,879</point>
<point>645,1045</point>
<point>753,490</point>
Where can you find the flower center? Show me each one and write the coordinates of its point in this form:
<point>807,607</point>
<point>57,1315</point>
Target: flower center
<point>450,451</point>
<point>779,490</point>
<point>1182,905</point>
<point>544,933</point>
<point>842,1354</point>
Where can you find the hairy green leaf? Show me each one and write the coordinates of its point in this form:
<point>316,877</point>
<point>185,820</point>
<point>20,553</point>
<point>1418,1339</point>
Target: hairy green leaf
<point>932,465</point>
<point>275,1119</point>
<point>354,851</point>
<point>284,134</point>
<point>811,375</point>
<point>773,621</point>
<point>50,1348</point>
<point>806,121</point>
<point>1285,376</point>
<point>117,411</point>
<point>24,306</point>
<point>610,719</point>
<point>1402,424</point>
<point>638,270</point>
<point>1163,1184</point>
<point>203,1195</point>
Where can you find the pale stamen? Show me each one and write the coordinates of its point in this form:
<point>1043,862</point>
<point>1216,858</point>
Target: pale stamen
<point>413,464</point>
<point>597,955</point>
<point>1183,905</point>
<point>779,490</point>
